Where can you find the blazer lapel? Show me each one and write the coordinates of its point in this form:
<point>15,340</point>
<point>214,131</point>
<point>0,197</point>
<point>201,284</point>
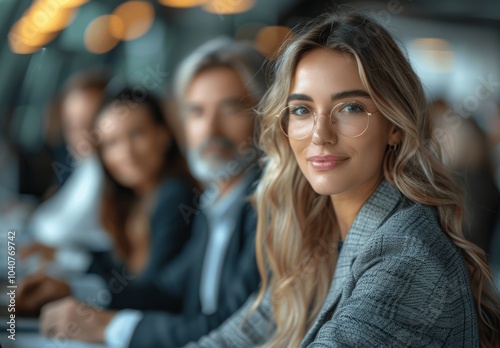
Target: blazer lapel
<point>374,212</point>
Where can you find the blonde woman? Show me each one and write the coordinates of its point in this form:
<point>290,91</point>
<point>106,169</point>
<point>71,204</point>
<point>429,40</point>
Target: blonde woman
<point>359,236</point>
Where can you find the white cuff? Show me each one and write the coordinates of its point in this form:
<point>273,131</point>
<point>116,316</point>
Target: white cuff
<point>120,330</point>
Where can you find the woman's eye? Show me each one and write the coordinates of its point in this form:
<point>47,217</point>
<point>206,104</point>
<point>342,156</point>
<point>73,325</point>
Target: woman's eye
<point>299,110</point>
<point>352,108</point>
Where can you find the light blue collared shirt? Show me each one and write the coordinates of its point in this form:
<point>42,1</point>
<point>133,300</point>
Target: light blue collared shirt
<point>221,213</point>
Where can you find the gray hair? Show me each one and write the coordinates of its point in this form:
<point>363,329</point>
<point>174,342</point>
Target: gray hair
<point>246,61</point>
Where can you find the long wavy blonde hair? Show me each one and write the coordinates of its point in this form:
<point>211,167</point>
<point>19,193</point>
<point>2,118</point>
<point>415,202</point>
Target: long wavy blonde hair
<point>295,246</point>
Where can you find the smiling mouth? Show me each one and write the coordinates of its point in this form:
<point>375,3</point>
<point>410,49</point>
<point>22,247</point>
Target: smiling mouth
<point>326,163</point>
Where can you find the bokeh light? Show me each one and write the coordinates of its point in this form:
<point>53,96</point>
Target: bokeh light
<point>228,6</point>
<point>47,16</point>
<point>270,39</point>
<point>136,17</point>
<point>20,48</point>
<point>71,3</point>
<point>24,38</point>
<point>39,25</point>
<point>98,37</point>
<point>182,3</point>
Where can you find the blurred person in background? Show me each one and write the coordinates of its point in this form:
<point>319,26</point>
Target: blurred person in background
<point>467,152</point>
<point>66,226</point>
<point>217,88</point>
<point>146,183</point>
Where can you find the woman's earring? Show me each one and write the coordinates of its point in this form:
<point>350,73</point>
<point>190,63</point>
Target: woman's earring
<point>394,147</point>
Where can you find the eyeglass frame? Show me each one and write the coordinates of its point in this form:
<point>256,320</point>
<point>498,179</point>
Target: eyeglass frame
<point>278,116</point>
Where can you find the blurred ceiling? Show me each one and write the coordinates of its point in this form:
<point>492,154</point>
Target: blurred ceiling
<point>483,12</point>
<point>477,12</point>
<point>164,35</point>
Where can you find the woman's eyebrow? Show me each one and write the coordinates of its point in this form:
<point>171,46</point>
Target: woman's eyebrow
<point>350,94</point>
<point>296,96</point>
<point>340,95</point>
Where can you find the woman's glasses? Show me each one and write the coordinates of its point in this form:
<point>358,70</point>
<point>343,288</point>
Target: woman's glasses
<point>349,119</point>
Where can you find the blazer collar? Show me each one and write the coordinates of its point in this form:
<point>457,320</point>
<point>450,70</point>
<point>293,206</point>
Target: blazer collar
<point>376,210</point>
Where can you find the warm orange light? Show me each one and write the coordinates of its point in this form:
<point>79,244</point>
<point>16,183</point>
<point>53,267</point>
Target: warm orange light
<point>182,3</point>
<point>39,25</point>
<point>228,6</point>
<point>270,39</point>
<point>47,16</point>
<point>24,37</point>
<point>18,47</point>
<point>98,38</point>
<point>71,3</point>
<point>136,17</point>
<point>17,44</point>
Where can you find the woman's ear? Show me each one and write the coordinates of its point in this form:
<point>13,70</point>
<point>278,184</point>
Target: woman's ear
<point>395,135</point>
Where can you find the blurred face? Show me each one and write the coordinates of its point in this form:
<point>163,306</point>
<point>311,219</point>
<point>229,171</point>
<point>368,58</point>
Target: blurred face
<point>78,112</point>
<point>219,124</point>
<point>331,162</point>
<point>134,149</point>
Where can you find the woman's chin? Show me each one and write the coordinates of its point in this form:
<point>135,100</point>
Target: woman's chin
<point>326,189</point>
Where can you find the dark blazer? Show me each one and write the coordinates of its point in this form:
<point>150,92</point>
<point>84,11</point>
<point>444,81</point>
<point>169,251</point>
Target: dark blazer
<point>482,206</point>
<point>399,282</point>
<point>169,233</point>
<point>239,278</point>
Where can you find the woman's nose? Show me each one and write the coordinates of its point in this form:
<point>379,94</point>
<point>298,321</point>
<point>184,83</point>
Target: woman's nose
<point>323,131</point>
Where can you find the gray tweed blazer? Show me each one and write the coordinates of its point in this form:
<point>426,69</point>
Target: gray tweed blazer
<point>399,282</point>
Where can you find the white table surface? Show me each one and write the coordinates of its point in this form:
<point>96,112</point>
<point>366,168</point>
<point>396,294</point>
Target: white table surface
<point>35,340</point>
<point>27,336</point>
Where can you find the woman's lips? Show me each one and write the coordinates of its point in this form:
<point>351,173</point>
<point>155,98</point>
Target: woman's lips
<point>327,162</point>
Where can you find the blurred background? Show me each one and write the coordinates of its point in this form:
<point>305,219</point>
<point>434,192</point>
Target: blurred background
<point>453,44</point>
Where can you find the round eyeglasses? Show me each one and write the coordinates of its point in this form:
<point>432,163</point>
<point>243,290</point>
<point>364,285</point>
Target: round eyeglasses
<point>349,119</point>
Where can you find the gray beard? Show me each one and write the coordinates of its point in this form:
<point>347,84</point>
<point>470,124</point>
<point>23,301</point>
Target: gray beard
<point>212,170</point>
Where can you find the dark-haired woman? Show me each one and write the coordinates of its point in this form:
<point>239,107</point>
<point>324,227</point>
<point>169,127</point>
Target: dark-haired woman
<point>146,186</point>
